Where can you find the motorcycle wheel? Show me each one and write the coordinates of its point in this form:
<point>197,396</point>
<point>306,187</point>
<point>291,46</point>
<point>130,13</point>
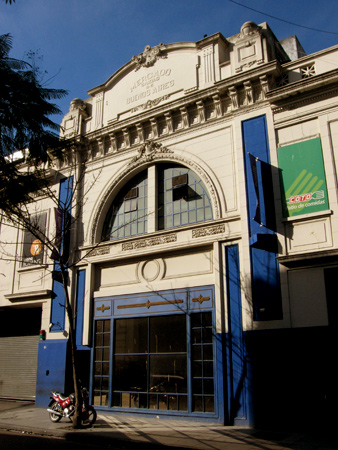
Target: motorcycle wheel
<point>88,417</point>
<point>55,417</point>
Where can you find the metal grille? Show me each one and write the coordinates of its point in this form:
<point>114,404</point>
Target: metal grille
<point>18,366</point>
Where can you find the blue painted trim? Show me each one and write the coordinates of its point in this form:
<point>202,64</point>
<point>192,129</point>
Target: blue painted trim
<point>266,296</point>
<point>80,294</point>
<point>51,374</point>
<point>220,381</point>
<point>195,299</point>
<point>236,362</point>
<point>58,307</point>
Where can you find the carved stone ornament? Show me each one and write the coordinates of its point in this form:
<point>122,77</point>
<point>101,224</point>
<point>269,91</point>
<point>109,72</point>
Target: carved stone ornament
<point>149,56</point>
<point>148,151</point>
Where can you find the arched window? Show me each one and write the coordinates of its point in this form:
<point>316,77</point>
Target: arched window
<point>177,194</point>
<point>182,197</point>
<point>127,215</point>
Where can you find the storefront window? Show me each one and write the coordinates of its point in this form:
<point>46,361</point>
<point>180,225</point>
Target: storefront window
<point>101,362</point>
<point>150,362</point>
<point>157,360</point>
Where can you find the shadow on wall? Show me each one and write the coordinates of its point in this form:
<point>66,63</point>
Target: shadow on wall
<point>289,376</point>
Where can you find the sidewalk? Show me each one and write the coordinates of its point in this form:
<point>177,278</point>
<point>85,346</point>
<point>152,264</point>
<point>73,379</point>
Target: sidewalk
<point>148,433</point>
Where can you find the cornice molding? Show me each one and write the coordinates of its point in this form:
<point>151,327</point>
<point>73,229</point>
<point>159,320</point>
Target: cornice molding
<point>302,86</point>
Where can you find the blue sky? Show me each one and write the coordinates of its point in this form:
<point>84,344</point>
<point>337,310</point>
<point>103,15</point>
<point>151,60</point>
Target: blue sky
<point>83,42</point>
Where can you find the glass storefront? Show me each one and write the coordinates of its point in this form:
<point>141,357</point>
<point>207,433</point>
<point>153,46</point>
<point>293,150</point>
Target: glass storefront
<point>155,361</point>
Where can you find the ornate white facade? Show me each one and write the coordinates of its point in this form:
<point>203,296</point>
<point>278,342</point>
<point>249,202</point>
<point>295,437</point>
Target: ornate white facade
<point>179,146</point>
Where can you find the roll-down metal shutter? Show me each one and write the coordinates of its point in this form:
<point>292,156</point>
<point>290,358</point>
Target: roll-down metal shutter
<point>18,366</point>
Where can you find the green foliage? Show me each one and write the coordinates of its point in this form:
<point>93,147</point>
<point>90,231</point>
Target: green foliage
<point>25,107</point>
<point>25,125</point>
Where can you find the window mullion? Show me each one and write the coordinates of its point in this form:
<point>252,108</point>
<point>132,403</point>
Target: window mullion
<point>152,199</point>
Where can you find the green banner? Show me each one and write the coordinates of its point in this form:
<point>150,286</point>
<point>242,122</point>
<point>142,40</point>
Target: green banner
<point>303,180</point>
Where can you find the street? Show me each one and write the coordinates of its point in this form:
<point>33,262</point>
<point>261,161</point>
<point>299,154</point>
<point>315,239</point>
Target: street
<point>78,441</point>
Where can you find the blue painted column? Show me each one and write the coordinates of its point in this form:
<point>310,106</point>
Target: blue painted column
<point>266,297</point>
<point>52,354</point>
<point>235,357</point>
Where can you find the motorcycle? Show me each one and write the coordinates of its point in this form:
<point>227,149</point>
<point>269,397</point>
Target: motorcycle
<point>64,406</point>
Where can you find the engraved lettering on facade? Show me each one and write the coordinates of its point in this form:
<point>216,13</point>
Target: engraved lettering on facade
<point>208,231</point>
<point>149,242</point>
<point>100,251</point>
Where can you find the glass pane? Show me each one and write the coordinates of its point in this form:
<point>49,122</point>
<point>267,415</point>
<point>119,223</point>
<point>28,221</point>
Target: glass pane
<point>207,335</point>
<point>199,202</point>
<point>134,400</point>
<point>104,399</point>
<point>143,401</point>
<point>168,334</point>
<point>97,369</point>
<point>197,404</point>
<point>152,401</point>
<point>105,368</point>
<point>97,383</point>
<point>98,354</point>
<point>106,340</point>
<point>209,404</point>
<point>208,369</point>
<point>200,215</point>
<point>99,326</point>
<point>134,228</point>
<point>106,354</point>
<point>125,400</point>
<point>197,369</point>
<point>183,403</point>
<point>96,399</point>
<point>207,319</point>
<point>208,213</point>
<point>196,336</point>
<point>168,373</point>
<point>131,335</point>
<point>162,402</point>
<point>209,387</point>
<point>177,220</point>
<point>197,386</point>
<point>208,353</point>
<point>173,402</point>
<point>176,207</point>
<point>130,373</point>
<point>105,384</point>
<point>196,320</point>
<point>98,340</point>
<point>197,352</point>
<point>117,399</point>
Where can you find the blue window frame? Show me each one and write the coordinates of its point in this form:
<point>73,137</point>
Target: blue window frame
<point>156,352</point>
<point>127,215</point>
<point>183,198</point>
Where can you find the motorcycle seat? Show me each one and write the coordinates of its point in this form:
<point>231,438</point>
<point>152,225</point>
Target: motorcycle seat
<point>62,396</point>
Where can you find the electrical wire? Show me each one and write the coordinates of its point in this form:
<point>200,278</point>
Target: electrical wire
<point>282,20</point>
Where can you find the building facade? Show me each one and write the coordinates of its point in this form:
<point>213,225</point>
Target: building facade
<point>205,249</point>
